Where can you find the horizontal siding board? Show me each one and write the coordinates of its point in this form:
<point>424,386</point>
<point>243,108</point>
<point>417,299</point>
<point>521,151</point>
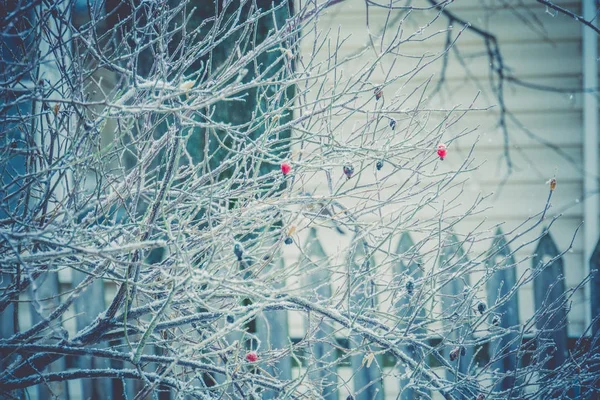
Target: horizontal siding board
<point>525,60</point>
<point>426,34</point>
<point>400,102</point>
<point>352,6</point>
<point>561,129</point>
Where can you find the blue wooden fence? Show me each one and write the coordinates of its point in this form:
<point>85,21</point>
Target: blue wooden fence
<point>499,310</point>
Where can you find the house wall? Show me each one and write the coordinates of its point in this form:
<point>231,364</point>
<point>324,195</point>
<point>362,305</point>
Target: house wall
<point>544,51</point>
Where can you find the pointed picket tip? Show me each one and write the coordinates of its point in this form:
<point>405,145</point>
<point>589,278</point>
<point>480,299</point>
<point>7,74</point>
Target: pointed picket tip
<point>409,261</point>
<point>315,264</point>
<point>546,247</point>
<point>452,249</point>
<point>405,243</point>
<point>499,249</point>
<point>502,280</point>
<point>359,261</point>
<point>314,248</point>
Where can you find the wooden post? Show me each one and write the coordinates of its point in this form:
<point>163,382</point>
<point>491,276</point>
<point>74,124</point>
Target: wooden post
<point>407,271</point>
<point>323,373</point>
<point>503,306</point>
<point>368,383</point>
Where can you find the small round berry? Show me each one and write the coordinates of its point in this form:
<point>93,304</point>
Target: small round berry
<point>409,286</point>
<point>230,319</point>
<point>285,168</point>
<point>88,125</point>
<point>348,171</point>
<point>252,356</point>
<point>481,307</point>
<point>441,151</point>
<point>238,250</point>
<point>288,240</point>
<point>392,123</point>
<point>496,320</point>
<point>379,165</point>
<point>378,93</point>
<point>454,353</point>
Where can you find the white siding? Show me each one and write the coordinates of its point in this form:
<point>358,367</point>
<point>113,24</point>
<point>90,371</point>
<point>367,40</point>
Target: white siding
<point>550,55</point>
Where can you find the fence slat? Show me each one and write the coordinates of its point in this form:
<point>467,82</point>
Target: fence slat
<point>456,306</point>
<point>272,330</point>
<point>316,265</point>
<point>367,375</point>
<point>86,312</point>
<point>407,271</point>
<point>44,302</point>
<point>549,289</point>
<point>503,302</point>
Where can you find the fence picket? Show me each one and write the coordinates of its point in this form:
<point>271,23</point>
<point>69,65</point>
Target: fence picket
<point>407,271</point>
<point>272,330</point>
<point>503,302</point>
<point>86,312</point>
<point>367,375</point>
<point>324,372</point>
<point>456,307</point>
<point>44,302</point>
<point>549,290</point>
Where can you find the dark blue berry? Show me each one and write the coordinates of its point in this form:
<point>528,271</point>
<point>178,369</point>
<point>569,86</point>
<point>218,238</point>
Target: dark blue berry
<point>288,240</point>
<point>379,165</point>
<point>378,93</point>
<point>410,286</point>
<point>230,319</point>
<point>348,171</point>
<point>481,307</point>
<point>238,250</point>
<point>392,123</point>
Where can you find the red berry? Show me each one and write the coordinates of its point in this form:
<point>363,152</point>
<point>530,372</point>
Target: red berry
<point>252,356</point>
<point>441,151</point>
<point>285,168</point>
